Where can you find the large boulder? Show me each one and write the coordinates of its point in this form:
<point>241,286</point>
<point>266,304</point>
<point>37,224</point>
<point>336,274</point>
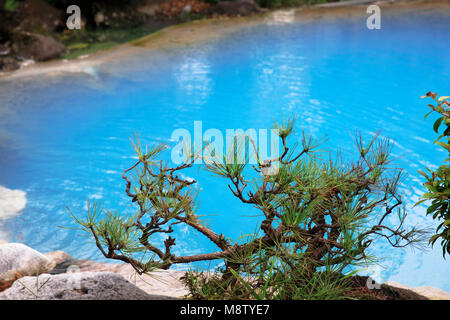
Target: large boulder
<point>235,8</point>
<point>17,258</point>
<point>76,286</point>
<point>161,282</point>
<point>37,47</point>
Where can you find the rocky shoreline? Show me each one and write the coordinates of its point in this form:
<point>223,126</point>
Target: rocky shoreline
<point>21,45</point>
<point>196,31</point>
<point>26,274</point>
<point>37,31</point>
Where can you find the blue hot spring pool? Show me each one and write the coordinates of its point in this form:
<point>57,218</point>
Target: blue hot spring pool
<point>64,139</point>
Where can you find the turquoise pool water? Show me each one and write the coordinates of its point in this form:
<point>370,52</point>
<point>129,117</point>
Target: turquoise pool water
<point>65,139</point>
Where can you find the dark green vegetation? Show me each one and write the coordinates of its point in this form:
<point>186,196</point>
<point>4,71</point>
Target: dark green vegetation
<point>83,42</point>
<point>438,182</point>
<point>280,3</point>
<point>10,5</point>
<point>318,218</point>
<point>287,3</point>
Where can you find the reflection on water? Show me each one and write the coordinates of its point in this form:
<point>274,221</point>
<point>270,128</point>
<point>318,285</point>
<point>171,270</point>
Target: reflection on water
<point>281,17</point>
<point>65,140</point>
<point>194,78</point>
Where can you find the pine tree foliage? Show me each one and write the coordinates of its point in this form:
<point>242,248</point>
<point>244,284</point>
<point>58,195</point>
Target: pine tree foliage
<point>320,214</point>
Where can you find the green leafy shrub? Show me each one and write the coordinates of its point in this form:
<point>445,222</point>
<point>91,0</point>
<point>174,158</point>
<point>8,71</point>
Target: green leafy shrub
<point>319,217</point>
<point>11,5</point>
<point>438,182</point>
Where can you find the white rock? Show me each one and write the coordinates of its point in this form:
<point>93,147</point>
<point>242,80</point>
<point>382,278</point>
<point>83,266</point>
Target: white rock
<point>17,257</point>
<point>11,202</point>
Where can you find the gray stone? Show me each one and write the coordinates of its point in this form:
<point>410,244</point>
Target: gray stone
<point>235,8</point>
<point>58,256</point>
<point>76,286</point>
<point>37,47</point>
<point>160,282</point>
<point>19,258</point>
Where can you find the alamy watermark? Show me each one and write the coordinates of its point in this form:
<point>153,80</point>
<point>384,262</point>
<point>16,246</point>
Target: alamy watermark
<point>252,146</point>
<point>376,278</point>
<point>374,20</point>
<point>74,20</point>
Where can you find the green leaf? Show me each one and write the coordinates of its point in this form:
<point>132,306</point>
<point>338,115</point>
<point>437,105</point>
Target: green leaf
<point>419,202</point>
<point>433,207</point>
<point>428,195</point>
<point>434,238</point>
<point>442,135</point>
<point>427,114</point>
<point>437,124</point>
<point>423,174</point>
<point>443,145</point>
